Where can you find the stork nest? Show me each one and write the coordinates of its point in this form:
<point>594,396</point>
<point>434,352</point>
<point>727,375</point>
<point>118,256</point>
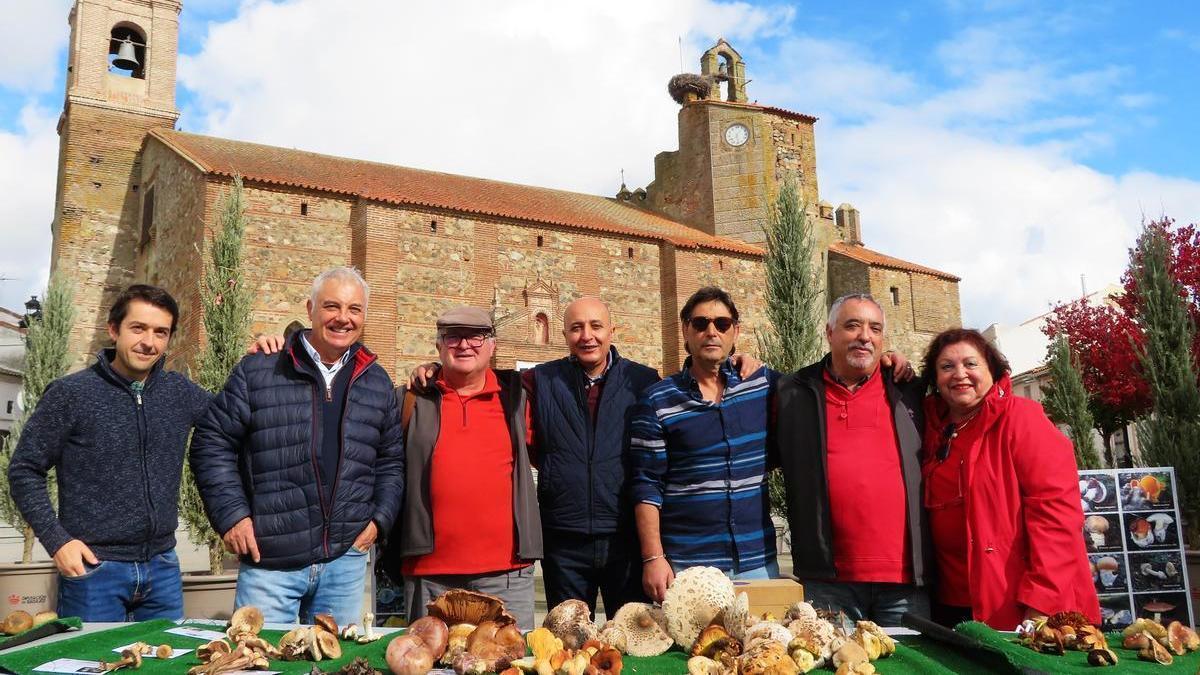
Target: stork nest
<point>689,83</point>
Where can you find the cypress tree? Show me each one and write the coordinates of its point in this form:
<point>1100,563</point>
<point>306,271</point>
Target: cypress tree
<point>795,297</point>
<point>226,298</point>
<point>1066,402</point>
<point>46,359</point>
<point>1170,435</point>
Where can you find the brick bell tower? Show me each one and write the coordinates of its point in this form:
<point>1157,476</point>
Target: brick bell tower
<point>120,84</point>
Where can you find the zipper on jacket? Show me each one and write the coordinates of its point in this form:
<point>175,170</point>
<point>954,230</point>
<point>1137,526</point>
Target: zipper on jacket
<point>317,474</point>
<point>337,472</point>
<point>137,388</point>
<point>329,391</point>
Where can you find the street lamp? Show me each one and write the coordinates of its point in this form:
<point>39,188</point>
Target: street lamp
<point>33,310</point>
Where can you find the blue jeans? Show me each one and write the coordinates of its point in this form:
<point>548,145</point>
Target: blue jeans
<point>580,566</point>
<point>768,571</point>
<point>334,587</point>
<point>879,602</point>
<point>116,590</point>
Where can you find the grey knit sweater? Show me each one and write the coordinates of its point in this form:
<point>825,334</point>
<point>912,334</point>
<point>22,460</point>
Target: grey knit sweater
<point>118,454</point>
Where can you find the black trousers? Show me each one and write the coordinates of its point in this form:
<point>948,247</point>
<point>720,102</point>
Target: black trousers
<point>580,566</point>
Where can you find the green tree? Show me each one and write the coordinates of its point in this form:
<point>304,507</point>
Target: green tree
<point>46,359</point>
<point>226,298</point>
<point>1170,435</point>
<point>1066,403</point>
<point>795,302</point>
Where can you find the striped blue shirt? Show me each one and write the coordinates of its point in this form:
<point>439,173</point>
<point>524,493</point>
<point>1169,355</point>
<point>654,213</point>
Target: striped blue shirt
<point>704,464</point>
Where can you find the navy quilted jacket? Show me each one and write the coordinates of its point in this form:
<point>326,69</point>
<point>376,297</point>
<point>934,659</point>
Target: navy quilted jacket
<point>255,454</point>
<point>582,466</point>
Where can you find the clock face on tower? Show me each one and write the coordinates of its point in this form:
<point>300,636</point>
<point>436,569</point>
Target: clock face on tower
<point>737,135</point>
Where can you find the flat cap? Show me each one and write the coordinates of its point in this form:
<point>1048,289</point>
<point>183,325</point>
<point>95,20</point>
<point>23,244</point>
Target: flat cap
<point>465,317</point>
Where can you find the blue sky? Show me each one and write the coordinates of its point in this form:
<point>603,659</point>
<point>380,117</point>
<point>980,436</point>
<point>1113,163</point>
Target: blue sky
<point>1013,143</point>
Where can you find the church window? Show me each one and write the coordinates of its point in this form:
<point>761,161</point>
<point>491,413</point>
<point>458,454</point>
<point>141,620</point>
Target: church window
<point>433,226</point>
<point>10,407</point>
<point>629,252</point>
<point>304,208</point>
<point>895,295</point>
<point>291,329</point>
<point>147,219</point>
<point>541,329</point>
<point>540,241</point>
<point>127,52</point>
<point>720,264</point>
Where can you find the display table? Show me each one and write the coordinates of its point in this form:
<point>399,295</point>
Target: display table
<point>916,654</point>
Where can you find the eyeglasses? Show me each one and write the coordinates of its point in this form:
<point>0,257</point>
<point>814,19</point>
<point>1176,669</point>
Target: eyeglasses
<point>700,323</point>
<point>472,341</point>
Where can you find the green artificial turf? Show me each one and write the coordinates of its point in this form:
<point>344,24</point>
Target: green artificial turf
<point>1073,661</point>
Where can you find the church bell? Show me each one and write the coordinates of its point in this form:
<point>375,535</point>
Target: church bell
<point>126,56</point>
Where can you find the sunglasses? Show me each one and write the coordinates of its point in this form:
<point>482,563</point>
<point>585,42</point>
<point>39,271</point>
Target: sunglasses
<point>700,323</point>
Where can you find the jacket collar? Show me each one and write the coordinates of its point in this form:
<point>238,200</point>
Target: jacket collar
<point>103,366</point>
<point>360,358</point>
<point>727,370</point>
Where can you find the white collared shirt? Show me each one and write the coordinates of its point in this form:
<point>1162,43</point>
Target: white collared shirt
<point>327,372</point>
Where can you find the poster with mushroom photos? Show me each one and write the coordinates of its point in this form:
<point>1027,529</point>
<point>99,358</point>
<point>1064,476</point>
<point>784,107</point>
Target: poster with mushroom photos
<point>1131,530</point>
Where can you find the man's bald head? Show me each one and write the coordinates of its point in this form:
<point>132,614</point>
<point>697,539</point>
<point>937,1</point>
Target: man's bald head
<point>588,329</point>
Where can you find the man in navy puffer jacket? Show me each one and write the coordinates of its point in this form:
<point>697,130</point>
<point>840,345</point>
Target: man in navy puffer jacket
<point>300,462</point>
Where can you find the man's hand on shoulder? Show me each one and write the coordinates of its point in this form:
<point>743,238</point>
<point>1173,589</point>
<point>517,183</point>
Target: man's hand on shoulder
<point>902,368</point>
<point>240,539</point>
<point>267,344</point>
<point>746,365</point>
<point>422,376</point>
<point>71,556</point>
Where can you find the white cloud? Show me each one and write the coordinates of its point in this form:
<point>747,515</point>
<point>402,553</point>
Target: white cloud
<point>552,93</point>
<point>27,175</point>
<point>34,32</point>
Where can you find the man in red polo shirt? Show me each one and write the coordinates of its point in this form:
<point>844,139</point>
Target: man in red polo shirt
<point>470,514</point>
<point>848,439</point>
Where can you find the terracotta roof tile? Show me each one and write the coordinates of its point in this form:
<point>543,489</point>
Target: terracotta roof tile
<point>416,187</point>
<point>866,255</point>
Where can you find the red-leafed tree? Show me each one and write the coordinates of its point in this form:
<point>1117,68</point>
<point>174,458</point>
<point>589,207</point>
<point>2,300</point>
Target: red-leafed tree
<point>1183,264</point>
<point>1104,342</point>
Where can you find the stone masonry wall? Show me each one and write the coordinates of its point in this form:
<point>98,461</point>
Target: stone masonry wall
<point>740,276</point>
<point>95,229</point>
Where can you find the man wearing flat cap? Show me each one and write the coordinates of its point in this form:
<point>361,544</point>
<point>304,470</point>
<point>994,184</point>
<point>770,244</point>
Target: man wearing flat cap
<point>470,513</point>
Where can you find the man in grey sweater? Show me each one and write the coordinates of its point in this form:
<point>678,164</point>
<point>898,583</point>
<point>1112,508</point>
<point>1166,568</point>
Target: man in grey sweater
<point>116,434</point>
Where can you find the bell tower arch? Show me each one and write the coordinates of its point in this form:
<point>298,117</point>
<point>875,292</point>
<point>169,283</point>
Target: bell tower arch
<point>120,84</point>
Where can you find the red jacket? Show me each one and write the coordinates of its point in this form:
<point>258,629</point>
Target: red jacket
<point>1024,521</point>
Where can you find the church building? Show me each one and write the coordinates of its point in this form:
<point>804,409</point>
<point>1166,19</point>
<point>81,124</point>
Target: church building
<point>137,201</point>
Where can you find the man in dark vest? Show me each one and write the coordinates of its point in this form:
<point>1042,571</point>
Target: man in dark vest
<point>581,409</point>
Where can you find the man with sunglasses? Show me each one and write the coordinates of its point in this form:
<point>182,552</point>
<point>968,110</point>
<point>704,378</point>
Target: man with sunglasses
<point>470,513</point>
<point>699,457</point>
<point>848,437</point>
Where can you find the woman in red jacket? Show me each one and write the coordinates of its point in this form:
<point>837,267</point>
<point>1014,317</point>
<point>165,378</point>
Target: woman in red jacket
<point>1002,494</point>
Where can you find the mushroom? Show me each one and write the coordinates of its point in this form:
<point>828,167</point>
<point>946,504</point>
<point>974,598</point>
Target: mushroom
<point>293,646</point>
<point>768,630</point>
<point>130,658</point>
<point>247,620</point>
<point>433,632</point>
<point>409,655</point>
<point>1108,567</point>
<point>462,606</point>
<point>1152,486</point>
<point>767,657</point>
<point>1160,522</point>
<point>1157,607</point>
<point>543,643</point>
<point>326,622</point>
<point>1153,651</point>
<point>571,622</point>
<point>17,622</point>
<point>715,640</point>
<point>640,628</point>
<point>456,641</point>
<point>696,596</point>
<point>1102,657</point>
<point>164,651</point>
<point>328,645</point>
<point>736,617</point>
<point>1096,527</point>
<point>497,645</point>
<point>606,661</point>
<point>369,634</point>
<point>212,650</point>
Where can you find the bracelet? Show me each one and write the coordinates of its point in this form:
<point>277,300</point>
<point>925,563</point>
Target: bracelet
<point>653,558</point>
